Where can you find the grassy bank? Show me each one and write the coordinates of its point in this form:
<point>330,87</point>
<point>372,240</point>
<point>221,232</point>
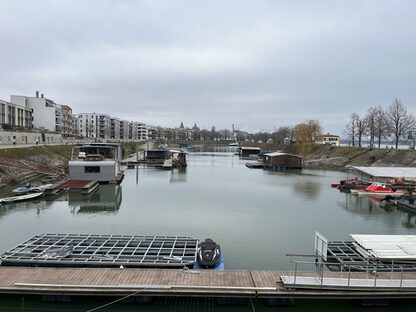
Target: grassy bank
<point>17,163</point>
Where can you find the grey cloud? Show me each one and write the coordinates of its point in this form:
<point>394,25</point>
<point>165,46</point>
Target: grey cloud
<point>258,64</point>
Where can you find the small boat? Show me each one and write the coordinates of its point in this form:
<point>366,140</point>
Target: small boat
<point>234,144</point>
<point>15,199</point>
<point>378,189</point>
<point>23,189</point>
<point>209,254</point>
<point>41,188</point>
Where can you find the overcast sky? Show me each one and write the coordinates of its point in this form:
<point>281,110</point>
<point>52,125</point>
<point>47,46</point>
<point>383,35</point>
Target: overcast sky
<point>257,64</point>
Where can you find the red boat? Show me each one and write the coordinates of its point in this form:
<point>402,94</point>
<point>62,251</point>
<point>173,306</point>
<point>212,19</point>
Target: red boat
<point>378,188</point>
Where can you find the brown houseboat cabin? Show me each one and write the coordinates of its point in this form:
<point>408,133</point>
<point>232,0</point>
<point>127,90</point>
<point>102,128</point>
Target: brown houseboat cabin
<point>282,161</point>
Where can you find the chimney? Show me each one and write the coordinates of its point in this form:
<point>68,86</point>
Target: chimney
<point>37,94</point>
<point>41,95</point>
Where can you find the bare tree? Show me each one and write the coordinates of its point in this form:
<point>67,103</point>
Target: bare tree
<point>361,127</point>
<point>351,128</point>
<point>399,122</point>
<point>282,133</point>
<point>370,120</point>
<point>380,124</point>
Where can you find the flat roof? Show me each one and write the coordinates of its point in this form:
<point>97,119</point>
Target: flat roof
<point>250,148</point>
<point>388,172</point>
<point>281,154</point>
<point>388,246</point>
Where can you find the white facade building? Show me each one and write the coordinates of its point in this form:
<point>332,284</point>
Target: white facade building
<point>46,113</point>
<point>15,115</point>
<point>93,125</point>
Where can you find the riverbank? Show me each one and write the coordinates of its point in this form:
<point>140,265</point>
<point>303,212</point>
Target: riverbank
<point>337,157</point>
<point>17,163</point>
<point>20,164</point>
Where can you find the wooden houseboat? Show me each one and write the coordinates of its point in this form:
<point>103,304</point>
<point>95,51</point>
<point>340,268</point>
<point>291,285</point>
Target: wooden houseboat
<point>281,161</point>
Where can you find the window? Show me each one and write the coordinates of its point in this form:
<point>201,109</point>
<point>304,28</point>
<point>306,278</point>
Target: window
<point>92,169</point>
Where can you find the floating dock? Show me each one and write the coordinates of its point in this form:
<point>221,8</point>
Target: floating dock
<point>83,250</point>
<point>83,186</point>
<point>192,283</point>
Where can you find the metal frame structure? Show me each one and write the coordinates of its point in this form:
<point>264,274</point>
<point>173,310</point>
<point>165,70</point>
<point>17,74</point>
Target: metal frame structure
<point>85,250</point>
<point>346,254</point>
<point>373,280</point>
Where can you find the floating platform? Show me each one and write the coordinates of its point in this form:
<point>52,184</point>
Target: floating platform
<point>84,186</point>
<point>192,283</point>
<point>254,165</point>
<point>104,251</point>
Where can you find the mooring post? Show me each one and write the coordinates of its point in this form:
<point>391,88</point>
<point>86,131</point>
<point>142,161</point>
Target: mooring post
<point>401,279</point>
<point>349,276</point>
<point>296,270</point>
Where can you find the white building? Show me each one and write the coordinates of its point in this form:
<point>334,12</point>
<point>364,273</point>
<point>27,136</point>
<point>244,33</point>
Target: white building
<point>93,125</point>
<point>142,133</point>
<point>15,115</point>
<point>46,113</point>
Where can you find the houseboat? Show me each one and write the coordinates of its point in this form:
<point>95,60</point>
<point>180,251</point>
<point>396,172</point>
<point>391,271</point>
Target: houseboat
<point>96,161</point>
<point>249,151</point>
<point>166,158</point>
<point>281,161</point>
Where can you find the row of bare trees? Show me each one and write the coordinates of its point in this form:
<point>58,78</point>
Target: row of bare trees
<point>380,123</point>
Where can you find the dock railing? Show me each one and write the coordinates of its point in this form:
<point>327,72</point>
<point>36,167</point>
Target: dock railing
<point>375,275</point>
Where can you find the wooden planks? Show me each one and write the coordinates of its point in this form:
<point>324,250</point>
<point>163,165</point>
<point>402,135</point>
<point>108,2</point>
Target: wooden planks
<point>170,282</point>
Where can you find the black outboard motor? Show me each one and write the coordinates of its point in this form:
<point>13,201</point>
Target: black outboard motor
<point>209,253</point>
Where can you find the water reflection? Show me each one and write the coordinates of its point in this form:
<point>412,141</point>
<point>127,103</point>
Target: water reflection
<point>107,199</point>
<point>360,205</point>
<point>307,189</point>
<point>178,175</point>
<point>38,205</point>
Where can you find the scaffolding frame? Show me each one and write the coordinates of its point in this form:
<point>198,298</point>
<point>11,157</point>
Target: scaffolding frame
<point>88,250</point>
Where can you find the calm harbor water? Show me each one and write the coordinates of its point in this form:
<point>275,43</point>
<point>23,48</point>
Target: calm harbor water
<point>257,216</point>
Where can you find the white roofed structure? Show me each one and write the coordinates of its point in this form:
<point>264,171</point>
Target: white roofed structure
<point>408,173</point>
<point>388,247</point>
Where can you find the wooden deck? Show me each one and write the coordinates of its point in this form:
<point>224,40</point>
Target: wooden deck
<point>172,282</point>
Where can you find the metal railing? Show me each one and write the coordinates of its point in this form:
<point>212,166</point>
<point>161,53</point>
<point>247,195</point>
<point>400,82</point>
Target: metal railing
<point>370,276</point>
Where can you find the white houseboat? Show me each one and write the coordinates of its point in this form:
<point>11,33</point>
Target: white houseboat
<point>96,161</point>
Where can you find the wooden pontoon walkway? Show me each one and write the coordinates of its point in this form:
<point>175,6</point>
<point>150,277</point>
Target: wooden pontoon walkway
<point>173,282</point>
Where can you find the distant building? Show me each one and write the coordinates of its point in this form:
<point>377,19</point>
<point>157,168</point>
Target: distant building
<point>93,125</point>
<point>67,127</point>
<point>46,114</point>
<point>115,128</point>
<point>124,130</point>
<point>15,115</point>
<point>138,131</point>
<point>329,139</point>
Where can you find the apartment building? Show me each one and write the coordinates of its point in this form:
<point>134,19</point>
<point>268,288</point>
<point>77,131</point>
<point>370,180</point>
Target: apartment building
<point>114,128</point>
<point>15,115</point>
<point>93,125</point>
<point>46,114</point>
<point>124,130</point>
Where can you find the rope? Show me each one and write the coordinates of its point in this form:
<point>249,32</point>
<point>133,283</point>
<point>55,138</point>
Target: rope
<point>189,271</point>
<point>252,305</point>
<point>115,301</point>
